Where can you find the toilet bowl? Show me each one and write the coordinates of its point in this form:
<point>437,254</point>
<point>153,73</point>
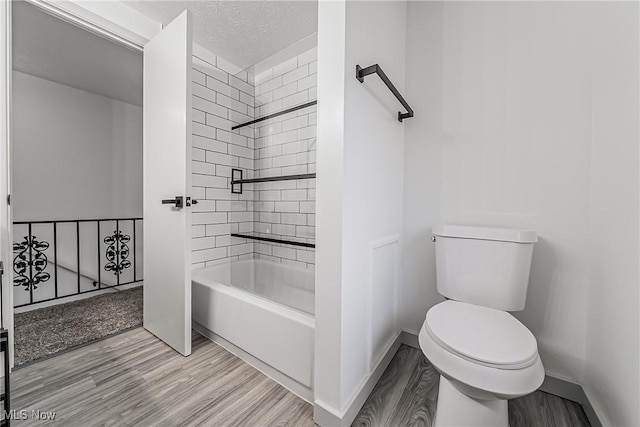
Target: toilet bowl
<point>484,356</point>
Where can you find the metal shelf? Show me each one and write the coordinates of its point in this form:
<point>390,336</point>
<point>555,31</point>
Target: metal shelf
<point>280,113</point>
<point>274,178</point>
<point>271,240</point>
<point>236,179</point>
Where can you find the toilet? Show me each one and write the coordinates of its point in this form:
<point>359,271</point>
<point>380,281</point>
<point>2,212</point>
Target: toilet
<point>484,355</point>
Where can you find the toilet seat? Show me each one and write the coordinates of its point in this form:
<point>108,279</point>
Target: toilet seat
<point>480,380</point>
<point>482,335</point>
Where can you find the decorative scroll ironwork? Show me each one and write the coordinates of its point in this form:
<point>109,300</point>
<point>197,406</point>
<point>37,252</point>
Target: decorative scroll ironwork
<point>30,263</point>
<point>117,252</point>
<point>32,268</point>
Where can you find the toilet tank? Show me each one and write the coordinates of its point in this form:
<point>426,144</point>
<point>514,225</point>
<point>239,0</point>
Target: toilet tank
<point>484,266</point>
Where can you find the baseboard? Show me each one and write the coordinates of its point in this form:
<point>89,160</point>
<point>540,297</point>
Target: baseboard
<point>325,415</point>
<point>552,385</point>
<point>562,388</point>
<point>574,392</point>
<point>410,339</point>
<point>76,297</point>
<point>290,384</point>
<point>594,408</point>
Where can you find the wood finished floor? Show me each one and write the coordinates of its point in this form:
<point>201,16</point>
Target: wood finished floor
<point>135,379</point>
<point>407,393</point>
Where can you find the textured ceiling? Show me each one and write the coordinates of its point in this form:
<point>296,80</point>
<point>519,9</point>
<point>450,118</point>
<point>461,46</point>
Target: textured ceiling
<point>52,49</point>
<point>242,32</point>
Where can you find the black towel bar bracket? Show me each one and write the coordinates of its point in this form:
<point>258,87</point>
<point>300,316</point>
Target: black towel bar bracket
<point>361,73</point>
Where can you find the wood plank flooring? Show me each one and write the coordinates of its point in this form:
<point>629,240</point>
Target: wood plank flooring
<point>135,379</point>
<point>407,393</point>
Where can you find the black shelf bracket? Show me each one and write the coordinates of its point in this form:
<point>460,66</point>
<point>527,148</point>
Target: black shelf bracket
<point>236,179</point>
<point>279,113</point>
<point>361,73</point>
<point>272,240</point>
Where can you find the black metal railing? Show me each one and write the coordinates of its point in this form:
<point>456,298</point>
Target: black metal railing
<point>80,255</point>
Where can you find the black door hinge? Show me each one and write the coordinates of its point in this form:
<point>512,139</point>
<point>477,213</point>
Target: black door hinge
<point>9,199</point>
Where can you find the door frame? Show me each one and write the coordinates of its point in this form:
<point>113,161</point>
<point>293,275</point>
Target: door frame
<point>113,24</point>
<point>5,172</point>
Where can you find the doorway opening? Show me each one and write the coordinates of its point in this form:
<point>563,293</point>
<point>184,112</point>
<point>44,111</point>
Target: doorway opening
<point>76,185</point>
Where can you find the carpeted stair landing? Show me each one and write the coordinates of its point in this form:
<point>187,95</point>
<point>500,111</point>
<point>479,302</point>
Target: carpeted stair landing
<point>50,330</point>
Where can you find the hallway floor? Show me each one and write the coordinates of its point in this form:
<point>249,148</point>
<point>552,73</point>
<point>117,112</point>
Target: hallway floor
<point>135,379</point>
<point>50,330</point>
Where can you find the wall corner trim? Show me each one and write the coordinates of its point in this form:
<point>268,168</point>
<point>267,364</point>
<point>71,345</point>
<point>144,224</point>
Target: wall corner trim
<point>571,391</point>
<point>324,415</point>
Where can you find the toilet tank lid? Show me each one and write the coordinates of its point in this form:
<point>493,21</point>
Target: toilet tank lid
<point>485,233</point>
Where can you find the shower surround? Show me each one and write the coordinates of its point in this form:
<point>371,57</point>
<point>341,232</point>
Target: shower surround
<point>224,96</point>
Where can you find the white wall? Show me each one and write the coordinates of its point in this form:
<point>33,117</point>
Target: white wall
<point>517,125</point>
<point>373,163</point>
<point>361,239</point>
<point>75,154</point>
<point>613,356</point>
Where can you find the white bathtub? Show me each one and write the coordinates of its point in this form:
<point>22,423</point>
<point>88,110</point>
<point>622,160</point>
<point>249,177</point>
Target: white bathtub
<point>262,312</point>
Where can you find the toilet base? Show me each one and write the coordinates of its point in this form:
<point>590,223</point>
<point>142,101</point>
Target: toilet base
<point>458,409</point>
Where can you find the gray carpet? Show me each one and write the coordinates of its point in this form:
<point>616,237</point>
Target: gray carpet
<point>50,330</point>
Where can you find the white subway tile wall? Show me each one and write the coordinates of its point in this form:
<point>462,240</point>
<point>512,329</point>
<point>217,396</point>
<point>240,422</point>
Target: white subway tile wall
<point>286,145</point>
<point>220,101</point>
<point>283,145</point>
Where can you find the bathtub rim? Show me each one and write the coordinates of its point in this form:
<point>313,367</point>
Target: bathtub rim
<point>291,313</point>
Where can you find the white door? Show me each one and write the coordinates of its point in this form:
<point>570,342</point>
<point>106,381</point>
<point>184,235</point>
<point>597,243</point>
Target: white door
<point>167,175</point>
